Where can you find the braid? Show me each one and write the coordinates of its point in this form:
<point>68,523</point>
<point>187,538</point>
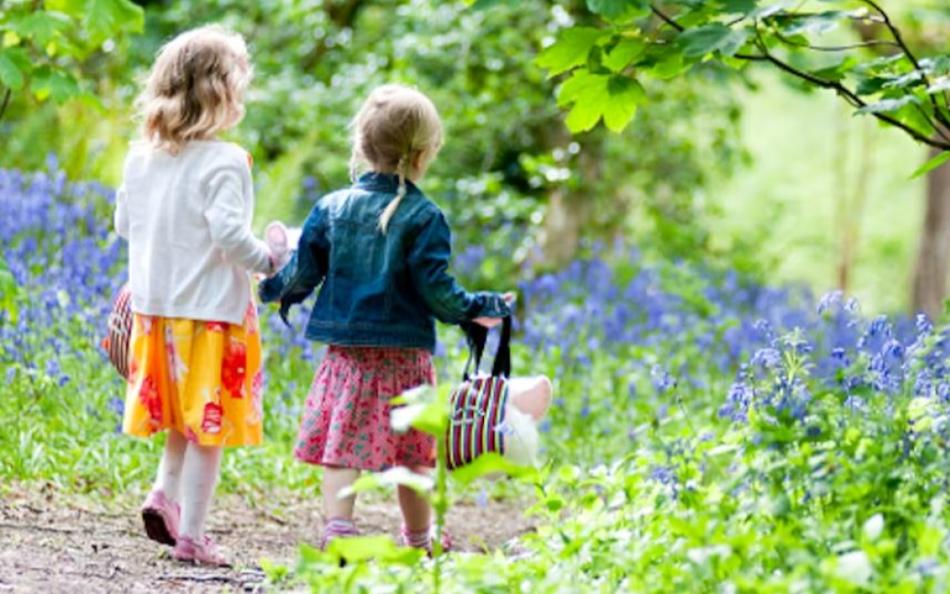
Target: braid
<point>390,209</point>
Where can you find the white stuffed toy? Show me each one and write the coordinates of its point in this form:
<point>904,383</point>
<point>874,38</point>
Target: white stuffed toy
<point>281,241</point>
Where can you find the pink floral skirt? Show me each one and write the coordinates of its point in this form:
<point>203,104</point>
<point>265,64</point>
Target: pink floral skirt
<point>346,419</point>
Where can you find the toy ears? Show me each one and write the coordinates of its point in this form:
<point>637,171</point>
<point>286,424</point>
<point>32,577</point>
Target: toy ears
<point>531,395</point>
<point>276,236</point>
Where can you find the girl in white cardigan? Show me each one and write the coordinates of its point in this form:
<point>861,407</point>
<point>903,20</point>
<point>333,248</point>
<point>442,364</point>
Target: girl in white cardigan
<point>185,206</point>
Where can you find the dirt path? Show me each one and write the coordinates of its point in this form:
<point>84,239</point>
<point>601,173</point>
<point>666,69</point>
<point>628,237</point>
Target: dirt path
<point>50,542</point>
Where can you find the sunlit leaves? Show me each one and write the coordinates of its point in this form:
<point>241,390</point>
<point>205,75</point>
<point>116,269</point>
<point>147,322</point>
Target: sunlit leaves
<point>619,10</point>
<point>64,33</point>
<point>620,56</point>
<point>699,41</point>
<point>570,50</point>
<point>104,18</point>
<point>14,64</point>
<point>595,96</point>
<point>888,105</point>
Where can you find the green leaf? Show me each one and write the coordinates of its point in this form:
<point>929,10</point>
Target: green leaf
<point>704,40</point>
<point>625,95</point>
<point>624,53</point>
<point>619,10</point>
<point>570,50</point>
<point>492,463</point>
<point>55,84</point>
<point>104,18</point>
<point>14,64</point>
<point>382,548</point>
<point>41,27</point>
<point>588,93</point>
<point>425,408</point>
<point>738,6</point>
<point>393,477</point>
<point>887,105</point>
<point>9,291</point>
<point>931,164</point>
<point>671,66</point>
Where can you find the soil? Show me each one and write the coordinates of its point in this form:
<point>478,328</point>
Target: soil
<point>56,542</point>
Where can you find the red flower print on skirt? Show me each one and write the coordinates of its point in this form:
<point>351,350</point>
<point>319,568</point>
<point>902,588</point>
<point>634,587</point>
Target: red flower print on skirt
<point>211,423</point>
<point>234,368</point>
<point>346,420</point>
<point>216,326</point>
<point>150,399</point>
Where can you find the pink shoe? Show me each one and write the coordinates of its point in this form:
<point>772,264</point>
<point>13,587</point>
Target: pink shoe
<point>423,540</point>
<point>199,552</point>
<point>160,515</point>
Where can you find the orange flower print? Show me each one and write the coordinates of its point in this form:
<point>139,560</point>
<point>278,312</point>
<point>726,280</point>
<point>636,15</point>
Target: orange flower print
<point>148,396</point>
<point>234,368</point>
<point>211,422</point>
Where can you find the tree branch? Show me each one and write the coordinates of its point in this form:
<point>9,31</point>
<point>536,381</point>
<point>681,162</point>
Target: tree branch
<point>834,48</point>
<point>895,32</point>
<point>5,103</point>
<point>847,94</point>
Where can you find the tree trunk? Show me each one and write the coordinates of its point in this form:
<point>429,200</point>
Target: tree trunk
<point>570,211</point>
<point>933,255</point>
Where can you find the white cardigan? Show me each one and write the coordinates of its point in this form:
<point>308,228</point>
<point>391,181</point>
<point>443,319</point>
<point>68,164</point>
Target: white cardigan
<point>187,219</point>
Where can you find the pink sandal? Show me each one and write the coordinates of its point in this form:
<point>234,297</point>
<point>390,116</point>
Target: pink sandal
<point>161,515</point>
<point>423,539</point>
<point>200,552</point>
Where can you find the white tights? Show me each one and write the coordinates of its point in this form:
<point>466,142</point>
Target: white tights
<point>188,474</point>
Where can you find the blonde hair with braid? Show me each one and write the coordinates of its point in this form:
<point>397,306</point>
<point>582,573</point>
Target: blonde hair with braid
<point>195,88</point>
<point>397,130</point>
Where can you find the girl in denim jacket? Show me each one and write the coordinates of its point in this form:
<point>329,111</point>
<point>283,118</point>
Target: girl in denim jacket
<point>379,250</point>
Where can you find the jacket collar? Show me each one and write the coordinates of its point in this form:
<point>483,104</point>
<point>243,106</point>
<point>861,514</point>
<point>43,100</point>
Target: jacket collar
<point>375,181</point>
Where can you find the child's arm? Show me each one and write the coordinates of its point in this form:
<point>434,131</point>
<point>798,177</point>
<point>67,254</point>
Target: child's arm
<point>305,270</point>
<point>429,263</point>
<point>228,223</point>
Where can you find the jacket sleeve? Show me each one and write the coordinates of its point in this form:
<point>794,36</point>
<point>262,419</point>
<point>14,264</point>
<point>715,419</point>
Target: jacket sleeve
<point>227,218</point>
<point>121,217</point>
<point>428,264</point>
<point>305,270</point>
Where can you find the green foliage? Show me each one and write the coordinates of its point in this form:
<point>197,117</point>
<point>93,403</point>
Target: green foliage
<point>899,89</point>
<point>42,48</point>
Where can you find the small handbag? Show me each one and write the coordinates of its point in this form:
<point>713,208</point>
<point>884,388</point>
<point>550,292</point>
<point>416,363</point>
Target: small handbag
<point>479,405</point>
<point>119,331</point>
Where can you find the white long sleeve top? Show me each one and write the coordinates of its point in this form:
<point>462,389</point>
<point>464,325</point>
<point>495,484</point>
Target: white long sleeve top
<point>187,219</point>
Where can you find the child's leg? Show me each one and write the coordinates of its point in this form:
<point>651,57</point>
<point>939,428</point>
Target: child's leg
<point>416,512</point>
<point>168,478</point>
<point>334,481</point>
<point>200,476</point>
<point>416,515</point>
<point>338,511</point>
<point>161,512</point>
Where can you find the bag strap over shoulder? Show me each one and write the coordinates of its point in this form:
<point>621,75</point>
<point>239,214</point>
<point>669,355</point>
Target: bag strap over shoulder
<point>477,337</point>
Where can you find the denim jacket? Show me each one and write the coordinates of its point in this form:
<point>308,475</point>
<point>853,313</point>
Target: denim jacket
<point>378,289</point>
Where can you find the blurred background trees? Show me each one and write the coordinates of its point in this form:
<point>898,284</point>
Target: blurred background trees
<point>721,162</point>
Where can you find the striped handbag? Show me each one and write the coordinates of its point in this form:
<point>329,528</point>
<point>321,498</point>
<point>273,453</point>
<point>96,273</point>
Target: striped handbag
<point>116,342</point>
<point>479,405</point>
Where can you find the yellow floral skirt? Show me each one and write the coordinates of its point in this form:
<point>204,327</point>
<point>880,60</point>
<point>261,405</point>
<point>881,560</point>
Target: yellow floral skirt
<point>203,379</point>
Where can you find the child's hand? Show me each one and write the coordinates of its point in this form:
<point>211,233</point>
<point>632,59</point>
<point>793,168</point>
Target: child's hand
<point>510,297</point>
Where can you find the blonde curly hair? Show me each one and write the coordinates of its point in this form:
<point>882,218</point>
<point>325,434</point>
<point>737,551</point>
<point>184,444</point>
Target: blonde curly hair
<point>195,88</point>
<point>397,130</point>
